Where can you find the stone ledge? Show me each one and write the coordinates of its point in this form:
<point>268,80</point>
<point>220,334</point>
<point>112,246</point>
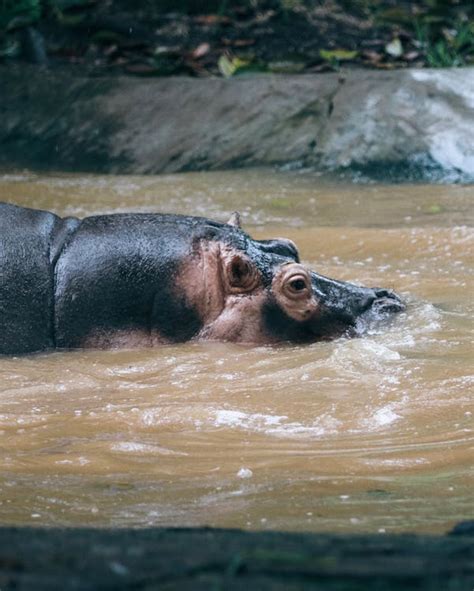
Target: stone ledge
<point>52,120</point>
<point>90,559</point>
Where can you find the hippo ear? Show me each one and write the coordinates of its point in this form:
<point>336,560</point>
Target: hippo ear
<point>242,276</point>
<point>281,246</point>
<point>234,220</point>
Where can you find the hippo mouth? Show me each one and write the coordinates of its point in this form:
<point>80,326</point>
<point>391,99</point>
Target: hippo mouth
<point>386,302</point>
<point>381,309</point>
<point>351,310</point>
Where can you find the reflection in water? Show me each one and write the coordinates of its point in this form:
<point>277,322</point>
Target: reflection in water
<point>369,434</point>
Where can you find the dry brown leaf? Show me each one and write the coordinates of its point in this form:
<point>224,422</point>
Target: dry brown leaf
<point>411,55</point>
<point>201,50</point>
<point>212,19</point>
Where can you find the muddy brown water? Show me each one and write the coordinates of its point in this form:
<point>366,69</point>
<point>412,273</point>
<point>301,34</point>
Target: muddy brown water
<point>369,434</point>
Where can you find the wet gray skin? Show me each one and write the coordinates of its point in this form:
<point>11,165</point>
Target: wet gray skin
<point>344,309</point>
<point>351,305</point>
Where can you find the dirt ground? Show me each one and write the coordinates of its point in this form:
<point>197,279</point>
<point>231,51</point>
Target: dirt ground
<point>227,38</point>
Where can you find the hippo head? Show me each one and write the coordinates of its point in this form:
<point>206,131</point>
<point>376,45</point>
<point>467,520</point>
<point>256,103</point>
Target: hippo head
<point>257,291</point>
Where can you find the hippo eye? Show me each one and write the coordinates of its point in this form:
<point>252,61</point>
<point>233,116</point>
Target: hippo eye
<point>293,291</point>
<point>298,284</point>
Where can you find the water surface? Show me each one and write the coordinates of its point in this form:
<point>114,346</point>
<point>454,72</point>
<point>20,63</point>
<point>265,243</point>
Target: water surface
<point>369,434</point>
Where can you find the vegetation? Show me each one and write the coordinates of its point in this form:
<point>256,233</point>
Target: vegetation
<point>18,13</point>
<point>230,37</point>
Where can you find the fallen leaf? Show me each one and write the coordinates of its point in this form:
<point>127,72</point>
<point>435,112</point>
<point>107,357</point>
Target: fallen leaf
<point>226,68</point>
<point>243,42</point>
<point>235,66</point>
<point>337,54</point>
<point>394,48</point>
<point>372,56</point>
<point>237,42</point>
<point>229,66</point>
<point>166,50</point>
<point>411,55</point>
<point>212,19</point>
<point>201,50</point>
<point>385,65</point>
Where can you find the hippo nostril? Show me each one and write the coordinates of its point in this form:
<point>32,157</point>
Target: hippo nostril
<point>385,293</point>
<point>380,301</point>
<point>387,302</point>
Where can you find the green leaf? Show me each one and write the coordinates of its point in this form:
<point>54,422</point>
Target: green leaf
<point>19,13</point>
<point>225,66</point>
<point>233,66</point>
<point>339,55</point>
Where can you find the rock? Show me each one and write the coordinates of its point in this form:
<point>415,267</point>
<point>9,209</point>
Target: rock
<point>463,528</point>
<point>413,122</point>
<point>398,116</point>
<point>84,559</point>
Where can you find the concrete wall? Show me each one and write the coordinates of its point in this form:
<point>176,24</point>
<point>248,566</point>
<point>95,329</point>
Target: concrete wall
<point>57,121</point>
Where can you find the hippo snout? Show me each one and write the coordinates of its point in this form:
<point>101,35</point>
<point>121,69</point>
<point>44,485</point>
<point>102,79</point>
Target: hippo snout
<point>386,302</point>
<point>376,300</point>
<point>344,304</point>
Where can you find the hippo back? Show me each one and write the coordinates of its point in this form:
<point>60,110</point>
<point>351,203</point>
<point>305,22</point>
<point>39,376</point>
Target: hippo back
<point>65,283</point>
<point>116,275</point>
<point>26,281</point>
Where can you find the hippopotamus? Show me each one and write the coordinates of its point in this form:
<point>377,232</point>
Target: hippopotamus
<point>147,279</point>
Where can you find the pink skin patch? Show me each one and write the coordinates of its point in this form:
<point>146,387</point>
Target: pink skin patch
<point>226,289</point>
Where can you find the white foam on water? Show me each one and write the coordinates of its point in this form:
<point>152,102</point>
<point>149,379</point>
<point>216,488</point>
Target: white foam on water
<point>384,416</point>
<point>135,447</point>
<point>365,356</point>
<point>398,463</point>
<point>236,418</point>
<point>81,461</point>
<point>428,318</point>
<point>378,351</point>
<point>275,425</point>
<point>244,473</point>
